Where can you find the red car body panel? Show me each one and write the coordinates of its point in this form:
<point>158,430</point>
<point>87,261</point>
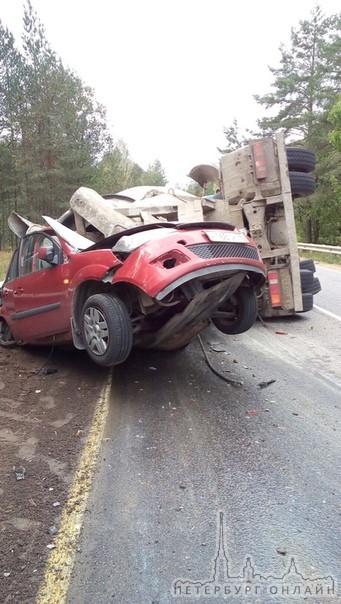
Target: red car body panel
<point>145,268</point>
<point>43,303</point>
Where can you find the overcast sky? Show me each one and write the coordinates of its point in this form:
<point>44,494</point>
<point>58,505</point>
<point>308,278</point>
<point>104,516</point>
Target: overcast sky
<point>171,73</point>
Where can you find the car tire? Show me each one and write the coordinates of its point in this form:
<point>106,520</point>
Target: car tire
<point>307,280</point>
<point>308,264</point>
<point>106,329</point>
<point>301,184</point>
<point>241,312</point>
<point>6,338</point>
<point>300,159</point>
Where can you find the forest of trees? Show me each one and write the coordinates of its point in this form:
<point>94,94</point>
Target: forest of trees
<point>305,102</point>
<point>53,133</point>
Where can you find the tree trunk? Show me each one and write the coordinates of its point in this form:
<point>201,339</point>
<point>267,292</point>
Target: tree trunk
<point>308,231</point>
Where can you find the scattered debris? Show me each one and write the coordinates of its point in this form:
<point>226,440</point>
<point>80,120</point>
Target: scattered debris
<point>282,333</point>
<point>19,472</point>
<point>51,546</point>
<point>266,384</point>
<point>294,413</point>
<point>217,348</point>
<point>153,368</point>
<point>7,574</point>
<point>215,371</point>
<point>56,504</point>
<point>282,551</point>
<point>182,486</point>
<point>52,530</point>
<point>251,412</point>
<point>48,370</point>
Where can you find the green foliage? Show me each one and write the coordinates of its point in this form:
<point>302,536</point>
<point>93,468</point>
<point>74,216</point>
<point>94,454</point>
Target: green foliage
<point>335,119</point>
<point>52,130</point>
<point>154,175</point>
<point>235,139</point>
<point>307,81</point>
<point>116,172</point>
<point>194,189</point>
<point>306,85</point>
<point>325,258</point>
<point>5,257</point>
<point>53,133</point>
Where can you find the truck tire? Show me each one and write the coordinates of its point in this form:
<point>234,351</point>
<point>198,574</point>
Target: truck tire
<point>316,288</point>
<point>106,329</point>
<point>308,263</point>
<point>307,280</point>
<point>301,184</point>
<point>300,159</point>
<point>307,301</point>
<point>238,313</point>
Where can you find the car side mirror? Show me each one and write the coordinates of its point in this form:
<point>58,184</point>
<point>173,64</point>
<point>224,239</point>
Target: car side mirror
<point>48,254</point>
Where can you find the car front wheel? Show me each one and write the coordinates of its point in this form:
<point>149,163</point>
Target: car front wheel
<point>106,329</point>
<point>6,338</point>
<point>238,313</point>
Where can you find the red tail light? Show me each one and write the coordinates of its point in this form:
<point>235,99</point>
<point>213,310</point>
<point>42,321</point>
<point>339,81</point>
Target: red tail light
<point>259,159</point>
<point>274,289</point>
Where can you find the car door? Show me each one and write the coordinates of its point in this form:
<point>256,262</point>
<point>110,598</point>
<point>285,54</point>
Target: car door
<point>7,301</point>
<point>40,294</point>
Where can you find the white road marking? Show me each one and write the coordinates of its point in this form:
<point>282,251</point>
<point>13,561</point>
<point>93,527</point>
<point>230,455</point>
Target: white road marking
<point>327,312</point>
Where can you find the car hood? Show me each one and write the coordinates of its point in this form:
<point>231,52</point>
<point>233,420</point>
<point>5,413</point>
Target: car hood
<point>73,238</point>
<point>21,226</point>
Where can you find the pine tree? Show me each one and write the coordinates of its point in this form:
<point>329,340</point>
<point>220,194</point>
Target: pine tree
<point>305,87</point>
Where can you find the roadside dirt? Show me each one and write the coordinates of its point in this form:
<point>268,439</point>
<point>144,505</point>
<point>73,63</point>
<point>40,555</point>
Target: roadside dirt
<point>44,420</point>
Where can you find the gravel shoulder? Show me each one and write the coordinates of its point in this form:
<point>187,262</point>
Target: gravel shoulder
<point>46,406</point>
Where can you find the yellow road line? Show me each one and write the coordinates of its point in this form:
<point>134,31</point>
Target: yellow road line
<point>54,587</point>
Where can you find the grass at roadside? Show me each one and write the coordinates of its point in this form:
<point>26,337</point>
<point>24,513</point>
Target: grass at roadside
<point>321,257</point>
<point>5,257</point>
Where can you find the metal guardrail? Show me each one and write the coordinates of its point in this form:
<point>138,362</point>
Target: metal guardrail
<point>314,247</point>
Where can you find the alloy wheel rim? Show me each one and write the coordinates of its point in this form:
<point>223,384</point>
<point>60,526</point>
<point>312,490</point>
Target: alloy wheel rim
<point>96,331</point>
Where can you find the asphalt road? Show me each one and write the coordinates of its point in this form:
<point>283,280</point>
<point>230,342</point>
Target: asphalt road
<point>188,457</point>
<point>329,298</point>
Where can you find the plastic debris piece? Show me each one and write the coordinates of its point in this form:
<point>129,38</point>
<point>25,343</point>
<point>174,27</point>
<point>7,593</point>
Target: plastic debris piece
<point>266,384</point>
<point>48,370</point>
<point>20,472</point>
<point>251,412</point>
<point>51,546</point>
<point>281,333</point>
<point>153,368</point>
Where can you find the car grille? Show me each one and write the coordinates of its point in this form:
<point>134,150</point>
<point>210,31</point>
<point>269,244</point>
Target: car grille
<point>224,250</point>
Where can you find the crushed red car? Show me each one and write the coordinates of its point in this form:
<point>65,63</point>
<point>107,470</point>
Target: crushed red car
<point>150,286</point>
